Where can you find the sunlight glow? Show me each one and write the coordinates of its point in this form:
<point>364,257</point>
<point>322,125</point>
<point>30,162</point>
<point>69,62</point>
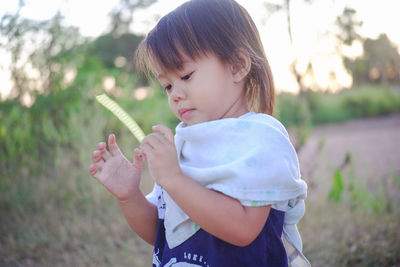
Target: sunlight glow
<point>70,75</point>
<point>143,93</point>
<point>109,83</point>
<point>312,27</point>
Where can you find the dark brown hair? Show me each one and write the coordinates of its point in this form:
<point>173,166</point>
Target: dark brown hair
<point>222,27</point>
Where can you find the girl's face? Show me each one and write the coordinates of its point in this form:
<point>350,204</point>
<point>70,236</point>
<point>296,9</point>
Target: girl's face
<point>204,90</point>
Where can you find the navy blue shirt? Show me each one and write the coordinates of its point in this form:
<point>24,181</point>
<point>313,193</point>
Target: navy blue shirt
<point>203,249</point>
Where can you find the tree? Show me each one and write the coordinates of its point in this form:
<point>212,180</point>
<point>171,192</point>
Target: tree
<point>348,26</point>
<point>36,46</point>
<point>50,49</point>
<point>285,7</point>
<point>122,15</point>
<point>379,63</point>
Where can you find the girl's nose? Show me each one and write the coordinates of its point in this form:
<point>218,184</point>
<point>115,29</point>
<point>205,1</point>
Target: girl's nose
<point>178,91</point>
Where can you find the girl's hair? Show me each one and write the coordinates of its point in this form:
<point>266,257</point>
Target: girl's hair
<point>222,27</point>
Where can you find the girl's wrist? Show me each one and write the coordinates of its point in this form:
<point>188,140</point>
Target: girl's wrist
<point>132,196</point>
<point>173,180</point>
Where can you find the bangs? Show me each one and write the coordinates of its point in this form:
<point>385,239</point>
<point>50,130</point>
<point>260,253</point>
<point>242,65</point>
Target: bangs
<point>171,40</point>
<point>194,29</point>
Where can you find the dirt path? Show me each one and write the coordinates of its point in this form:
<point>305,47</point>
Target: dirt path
<point>373,145</point>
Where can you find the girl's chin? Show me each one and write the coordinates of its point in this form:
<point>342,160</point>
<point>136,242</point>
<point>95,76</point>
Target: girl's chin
<point>194,121</point>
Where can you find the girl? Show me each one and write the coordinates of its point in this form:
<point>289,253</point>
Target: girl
<point>227,185</point>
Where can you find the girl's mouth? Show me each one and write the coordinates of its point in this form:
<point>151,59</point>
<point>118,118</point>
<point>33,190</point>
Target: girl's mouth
<point>186,113</point>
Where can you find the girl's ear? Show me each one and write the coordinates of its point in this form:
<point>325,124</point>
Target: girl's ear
<point>241,67</point>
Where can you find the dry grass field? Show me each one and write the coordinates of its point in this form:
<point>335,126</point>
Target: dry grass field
<point>362,227</point>
<point>63,217</point>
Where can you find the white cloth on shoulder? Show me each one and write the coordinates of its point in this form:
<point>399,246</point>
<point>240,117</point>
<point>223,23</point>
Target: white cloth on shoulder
<point>249,158</point>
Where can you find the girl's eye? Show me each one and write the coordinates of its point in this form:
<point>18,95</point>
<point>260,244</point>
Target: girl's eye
<point>187,77</point>
<point>167,88</point>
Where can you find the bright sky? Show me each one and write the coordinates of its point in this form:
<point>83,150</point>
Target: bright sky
<point>309,22</point>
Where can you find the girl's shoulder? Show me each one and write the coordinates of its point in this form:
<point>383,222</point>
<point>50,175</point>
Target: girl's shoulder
<point>266,120</point>
<point>249,125</point>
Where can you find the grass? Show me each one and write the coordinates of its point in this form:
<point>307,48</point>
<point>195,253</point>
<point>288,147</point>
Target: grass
<point>64,217</point>
<point>60,215</point>
<point>350,224</point>
<point>336,235</point>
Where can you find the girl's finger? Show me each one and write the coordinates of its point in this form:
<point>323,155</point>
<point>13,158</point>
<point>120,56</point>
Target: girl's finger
<point>164,130</point>
<point>138,158</point>
<point>147,150</point>
<point>97,156</point>
<point>154,140</point>
<point>94,168</point>
<point>146,147</point>
<point>105,154</point>
<point>112,145</point>
<point>101,146</point>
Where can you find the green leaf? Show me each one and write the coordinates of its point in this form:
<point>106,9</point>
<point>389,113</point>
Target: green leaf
<point>335,194</point>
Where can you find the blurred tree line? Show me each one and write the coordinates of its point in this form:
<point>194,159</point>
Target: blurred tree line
<point>56,73</point>
<point>379,65</point>
<point>380,61</point>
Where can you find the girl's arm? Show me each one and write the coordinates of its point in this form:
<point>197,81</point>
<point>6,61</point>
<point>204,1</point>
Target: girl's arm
<point>122,178</point>
<point>216,213</point>
<point>141,216</point>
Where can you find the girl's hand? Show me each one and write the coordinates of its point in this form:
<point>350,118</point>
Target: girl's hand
<point>160,151</point>
<point>114,171</point>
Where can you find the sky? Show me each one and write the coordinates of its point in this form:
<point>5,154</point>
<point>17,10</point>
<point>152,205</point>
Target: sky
<point>310,26</point>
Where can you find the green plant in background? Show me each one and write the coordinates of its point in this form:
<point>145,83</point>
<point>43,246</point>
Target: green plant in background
<point>356,194</point>
<point>336,191</point>
<point>295,114</point>
<point>397,180</point>
<point>360,198</point>
<point>325,107</point>
<point>321,144</point>
<point>292,111</point>
<point>370,101</point>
